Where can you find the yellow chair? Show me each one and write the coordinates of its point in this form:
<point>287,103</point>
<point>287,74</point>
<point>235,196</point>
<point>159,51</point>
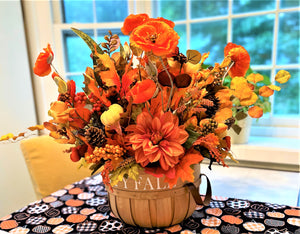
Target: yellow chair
<point>49,167</point>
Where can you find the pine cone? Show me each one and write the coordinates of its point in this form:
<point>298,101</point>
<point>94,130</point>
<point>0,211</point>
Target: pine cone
<point>95,136</point>
<point>211,110</point>
<point>64,97</point>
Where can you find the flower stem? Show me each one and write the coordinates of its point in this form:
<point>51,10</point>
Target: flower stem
<point>171,82</point>
<point>225,74</point>
<point>56,71</point>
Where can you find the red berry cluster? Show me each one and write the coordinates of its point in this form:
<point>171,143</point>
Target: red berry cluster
<point>95,101</point>
<point>97,106</point>
<point>80,98</point>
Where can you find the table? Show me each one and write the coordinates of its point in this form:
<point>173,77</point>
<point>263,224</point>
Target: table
<point>83,207</point>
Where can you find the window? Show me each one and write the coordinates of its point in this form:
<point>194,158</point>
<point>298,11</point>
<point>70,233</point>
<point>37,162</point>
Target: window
<point>268,29</point>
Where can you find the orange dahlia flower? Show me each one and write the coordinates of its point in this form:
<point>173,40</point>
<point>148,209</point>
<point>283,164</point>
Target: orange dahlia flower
<point>132,21</point>
<point>157,139</point>
<point>42,65</point>
<point>156,36</point>
<point>240,57</point>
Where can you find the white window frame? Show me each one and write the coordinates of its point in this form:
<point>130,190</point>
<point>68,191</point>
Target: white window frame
<point>43,20</point>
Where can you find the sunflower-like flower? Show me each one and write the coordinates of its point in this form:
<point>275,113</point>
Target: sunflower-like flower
<point>157,139</point>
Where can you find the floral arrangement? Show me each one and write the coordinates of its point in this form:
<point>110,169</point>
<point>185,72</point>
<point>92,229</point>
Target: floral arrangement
<point>250,94</point>
<point>147,106</point>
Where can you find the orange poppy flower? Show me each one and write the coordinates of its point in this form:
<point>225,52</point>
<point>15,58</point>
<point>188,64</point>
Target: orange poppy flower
<point>142,91</point>
<point>42,65</point>
<point>157,139</point>
<point>169,22</point>
<point>155,36</point>
<point>240,57</point>
<point>265,91</point>
<point>132,21</point>
<point>255,112</point>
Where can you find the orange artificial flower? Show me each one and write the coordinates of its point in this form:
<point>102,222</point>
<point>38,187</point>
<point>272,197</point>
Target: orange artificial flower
<point>59,111</point>
<point>255,112</point>
<point>224,96</point>
<point>223,114</point>
<point>240,57</point>
<point>156,36</point>
<point>132,21</point>
<point>265,91</point>
<point>157,139</point>
<point>282,76</point>
<point>142,91</point>
<point>169,22</point>
<point>42,65</point>
<point>243,91</point>
<point>255,78</point>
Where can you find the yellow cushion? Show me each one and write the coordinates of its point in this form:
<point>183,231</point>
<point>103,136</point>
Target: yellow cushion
<point>49,167</point>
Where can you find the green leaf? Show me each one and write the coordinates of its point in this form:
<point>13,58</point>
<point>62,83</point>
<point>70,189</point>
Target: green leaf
<point>193,56</point>
<point>266,80</point>
<point>88,40</point>
<point>193,136</point>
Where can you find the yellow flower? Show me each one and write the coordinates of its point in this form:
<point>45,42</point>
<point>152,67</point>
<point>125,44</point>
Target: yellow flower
<point>282,76</point>
<point>255,78</point>
<point>112,115</point>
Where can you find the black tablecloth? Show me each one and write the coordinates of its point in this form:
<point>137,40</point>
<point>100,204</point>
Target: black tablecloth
<point>83,208</point>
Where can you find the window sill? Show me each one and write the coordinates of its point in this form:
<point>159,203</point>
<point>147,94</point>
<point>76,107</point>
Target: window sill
<point>269,150</point>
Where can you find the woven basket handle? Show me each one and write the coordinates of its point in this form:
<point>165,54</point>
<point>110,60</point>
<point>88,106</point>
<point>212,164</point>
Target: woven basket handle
<point>196,195</point>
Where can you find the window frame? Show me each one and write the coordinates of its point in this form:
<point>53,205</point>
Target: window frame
<point>49,29</point>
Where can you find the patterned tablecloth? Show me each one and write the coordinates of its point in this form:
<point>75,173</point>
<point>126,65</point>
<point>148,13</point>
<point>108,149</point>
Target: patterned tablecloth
<point>83,208</point>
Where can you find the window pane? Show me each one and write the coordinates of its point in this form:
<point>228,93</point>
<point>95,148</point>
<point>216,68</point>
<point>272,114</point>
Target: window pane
<point>287,99</point>
<point>77,52</point>
<point>172,9</point>
<point>241,6</point>
<point>256,35</point>
<point>205,39</point>
<point>181,30</point>
<point>79,82</point>
<point>288,38</point>
<point>204,8</point>
<point>111,11</point>
<point>289,3</point>
<point>78,11</point>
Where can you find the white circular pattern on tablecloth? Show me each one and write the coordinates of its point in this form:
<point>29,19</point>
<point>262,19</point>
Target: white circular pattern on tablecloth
<point>85,196</point>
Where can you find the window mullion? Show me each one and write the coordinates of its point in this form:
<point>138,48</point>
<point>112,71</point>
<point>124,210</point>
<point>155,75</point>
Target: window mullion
<point>188,24</point>
<point>229,22</point>
<point>274,52</point>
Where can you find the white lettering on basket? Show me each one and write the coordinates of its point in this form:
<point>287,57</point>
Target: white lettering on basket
<point>137,182</point>
<point>158,184</point>
<point>148,182</point>
<point>125,183</point>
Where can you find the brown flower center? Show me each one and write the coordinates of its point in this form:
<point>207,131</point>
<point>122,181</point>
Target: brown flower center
<point>156,138</point>
<point>152,37</point>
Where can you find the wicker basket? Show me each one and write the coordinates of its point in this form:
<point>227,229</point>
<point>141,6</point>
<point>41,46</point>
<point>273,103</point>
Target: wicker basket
<point>149,202</point>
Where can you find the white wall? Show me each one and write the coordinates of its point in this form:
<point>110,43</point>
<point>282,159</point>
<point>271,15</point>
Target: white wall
<point>16,108</point>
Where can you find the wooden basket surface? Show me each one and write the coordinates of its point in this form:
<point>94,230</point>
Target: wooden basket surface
<point>149,202</point>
